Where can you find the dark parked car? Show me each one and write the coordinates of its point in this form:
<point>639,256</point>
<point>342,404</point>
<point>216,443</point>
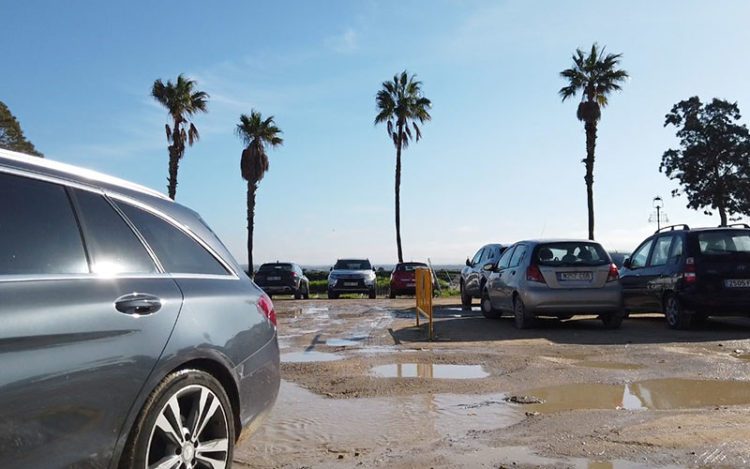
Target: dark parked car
<point>474,275</point>
<point>558,278</point>
<point>283,278</point>
<point>403,278</point>
<point>352,276</point>
<point>130,337</point>
<point>690,274</point>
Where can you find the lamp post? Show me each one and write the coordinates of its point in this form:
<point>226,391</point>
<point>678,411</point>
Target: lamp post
<point>658,203</point>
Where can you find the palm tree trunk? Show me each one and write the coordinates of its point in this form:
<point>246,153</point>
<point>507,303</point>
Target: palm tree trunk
<point>590,127</point>
<point>174,163</point>
<point>251,188</point>
<point>398,197</point>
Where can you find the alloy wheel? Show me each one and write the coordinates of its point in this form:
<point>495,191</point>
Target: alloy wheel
<point>191,432</point>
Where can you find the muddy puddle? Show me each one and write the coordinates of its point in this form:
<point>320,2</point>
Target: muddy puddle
<point>302,420</point>
<point>429,371</point>
<point>311,356</point>
<point>657,394</point>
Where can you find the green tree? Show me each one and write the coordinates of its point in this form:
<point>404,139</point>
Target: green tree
<point>11,135</point>
<point>182,101</point>
<point>257,134</point>
<point>401,105</point>
<point>595,76</point>
<point>713,161</point>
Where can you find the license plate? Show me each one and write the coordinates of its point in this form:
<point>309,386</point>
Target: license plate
<point>350,284</point>
<point>743,283</point>
<point>575,276</point>
<point>411,284</point>
<point>274,279</point>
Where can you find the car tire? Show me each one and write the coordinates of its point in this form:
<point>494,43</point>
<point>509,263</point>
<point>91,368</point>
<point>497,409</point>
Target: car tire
<point>675,314</point>
<point>465,298</point>
<point>373,294</point>
<point>205,415</point>
<point>612,320</point>
<point>306,295</point>
<point>333,296</point>
<point>392,294</point>
<point>298,293</point>
<point>523,320</point>
<point>486,305</point>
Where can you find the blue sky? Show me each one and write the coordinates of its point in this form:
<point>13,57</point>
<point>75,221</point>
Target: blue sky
<point>499,162</point>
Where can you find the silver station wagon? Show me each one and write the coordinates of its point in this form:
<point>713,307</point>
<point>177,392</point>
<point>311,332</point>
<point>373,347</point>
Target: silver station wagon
<point>558,278</point>
<point>130,337</point>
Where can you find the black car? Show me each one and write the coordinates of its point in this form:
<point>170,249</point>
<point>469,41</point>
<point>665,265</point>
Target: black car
<point>690,274</point>
<point>477,271</point>
<point>130,337</point>
<point>283,278</point>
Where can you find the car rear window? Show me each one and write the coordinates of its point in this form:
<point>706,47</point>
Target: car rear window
<point>347,264</point>
<point>410,267</point>
<point>724,242</point>
<point>274,267</point>
<point>571,254</point>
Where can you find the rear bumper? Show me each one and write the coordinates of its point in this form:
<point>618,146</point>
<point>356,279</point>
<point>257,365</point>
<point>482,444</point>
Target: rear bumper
<point>276,289</point>
<point>259,380</point>
<point>734,304</point>
<point>545,300</point>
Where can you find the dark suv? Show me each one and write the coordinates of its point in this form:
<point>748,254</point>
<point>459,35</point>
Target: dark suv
<point>474,276</point>
<point>130,336</point>
<point>690,274</point>
<point>283,278</point>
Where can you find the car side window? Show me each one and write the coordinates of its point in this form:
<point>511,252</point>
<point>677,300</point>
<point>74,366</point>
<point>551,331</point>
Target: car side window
<point>505,259</point>
<point>640,256</point>
<point>477,257</point>
<point>518,255</point>
<point>661,251</point>
<point>177,252</point>
<point>113,246</point>
<point>38,229</point>
<point>675,253</point>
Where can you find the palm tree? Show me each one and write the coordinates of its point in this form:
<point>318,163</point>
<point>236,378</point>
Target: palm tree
<point>595,75</point>
<point>400,104</point>
<point>256,133</point>
<point>182,102</point>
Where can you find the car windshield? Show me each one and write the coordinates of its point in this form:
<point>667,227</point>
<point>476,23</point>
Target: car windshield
<point>266,268</point>
<point>409,267</point>
<point>724,242</point>
<point>349,264</point>
<point>571,254</point>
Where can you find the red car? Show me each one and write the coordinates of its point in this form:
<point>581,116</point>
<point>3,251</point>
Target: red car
<point>403,279</point>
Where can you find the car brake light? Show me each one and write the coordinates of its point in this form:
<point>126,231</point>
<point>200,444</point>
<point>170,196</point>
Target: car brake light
<point>533,274</point>
<point>294,274</point>
<point>688,272</point>
<point>266,307</point>
<point>614,274</point>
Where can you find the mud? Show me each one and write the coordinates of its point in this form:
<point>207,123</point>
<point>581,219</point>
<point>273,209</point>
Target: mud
<point>362,387</point>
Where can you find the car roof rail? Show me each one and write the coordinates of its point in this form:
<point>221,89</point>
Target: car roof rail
<point>672,228</point>
<point>739,225</point>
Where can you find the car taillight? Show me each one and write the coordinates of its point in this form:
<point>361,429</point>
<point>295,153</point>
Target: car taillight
<point>266,307</point>
<point>614,274</point>
<point>688,272</point>
<point>533,274</point>
<point>294,274</point>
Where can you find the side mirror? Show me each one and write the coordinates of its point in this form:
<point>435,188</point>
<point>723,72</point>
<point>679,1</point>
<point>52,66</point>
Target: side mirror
<point>331,269</point>
<point>627,263</point>
<point>489,267</point>
<point>373,269</point>
<point>468,262</point>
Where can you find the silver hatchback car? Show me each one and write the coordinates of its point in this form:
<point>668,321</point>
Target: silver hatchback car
<point>558,278</point>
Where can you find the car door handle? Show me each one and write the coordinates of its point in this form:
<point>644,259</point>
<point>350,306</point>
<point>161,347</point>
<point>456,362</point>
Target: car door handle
<point>138,304</point>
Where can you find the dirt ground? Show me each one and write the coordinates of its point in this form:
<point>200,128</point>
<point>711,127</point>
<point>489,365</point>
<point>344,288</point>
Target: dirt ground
<point>362,387</point>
